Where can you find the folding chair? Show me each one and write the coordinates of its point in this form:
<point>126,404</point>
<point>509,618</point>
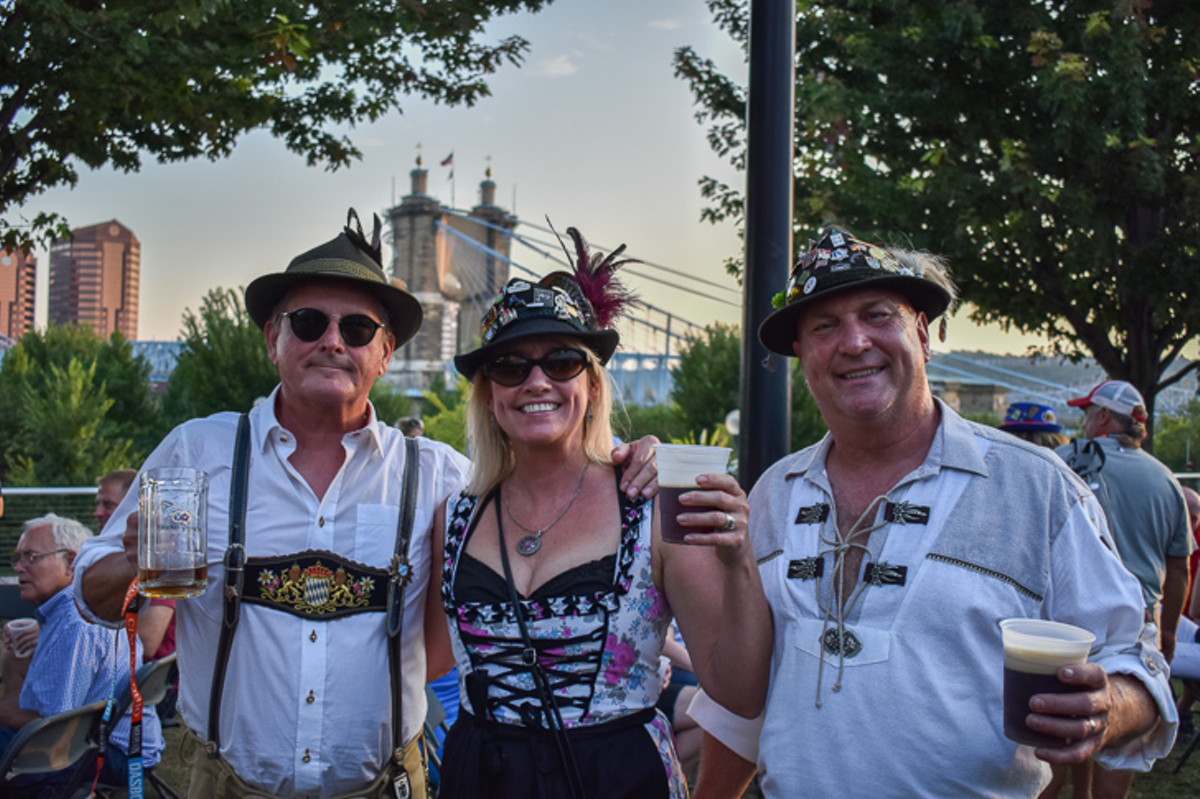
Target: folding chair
<point>56,743</point>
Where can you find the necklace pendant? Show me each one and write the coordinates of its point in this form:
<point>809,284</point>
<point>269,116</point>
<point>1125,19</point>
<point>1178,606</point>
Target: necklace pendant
<point>529,545</point>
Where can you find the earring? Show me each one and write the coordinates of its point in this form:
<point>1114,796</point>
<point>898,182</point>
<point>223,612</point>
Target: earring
<point>492,424</point>
<point>591,417</point>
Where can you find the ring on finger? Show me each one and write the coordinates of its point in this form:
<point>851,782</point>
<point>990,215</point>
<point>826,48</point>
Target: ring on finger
<point>730,523</point>
<point>1091,727</point>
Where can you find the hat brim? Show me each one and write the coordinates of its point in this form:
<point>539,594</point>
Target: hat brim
<point>778,331</point>
<point>1032,427</point>
<point>403,310</point>
<point>601,342</point>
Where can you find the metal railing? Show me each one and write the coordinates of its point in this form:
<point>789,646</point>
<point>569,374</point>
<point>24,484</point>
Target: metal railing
<point>22,504</point>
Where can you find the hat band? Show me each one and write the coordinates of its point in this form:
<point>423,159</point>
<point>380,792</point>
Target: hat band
<point>334,267</point>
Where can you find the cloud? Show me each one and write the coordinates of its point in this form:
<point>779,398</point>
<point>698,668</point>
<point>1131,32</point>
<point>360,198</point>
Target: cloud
<point>559,66</point>
<point>665,24</point>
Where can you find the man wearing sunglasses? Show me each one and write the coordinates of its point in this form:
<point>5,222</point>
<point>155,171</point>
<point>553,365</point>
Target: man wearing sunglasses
<point>306,703</point>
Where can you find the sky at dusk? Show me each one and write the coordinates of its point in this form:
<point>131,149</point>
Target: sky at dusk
<point>593,131</point>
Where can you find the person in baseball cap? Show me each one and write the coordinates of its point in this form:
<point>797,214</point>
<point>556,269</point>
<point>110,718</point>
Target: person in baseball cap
<point>1116,395</point>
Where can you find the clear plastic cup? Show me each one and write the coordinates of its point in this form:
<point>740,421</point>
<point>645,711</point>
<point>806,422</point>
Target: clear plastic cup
<point>17,626</point>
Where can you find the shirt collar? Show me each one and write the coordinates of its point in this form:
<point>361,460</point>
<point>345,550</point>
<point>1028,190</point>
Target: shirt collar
<point>954,446</point>
<point>264,425</point>
<point>53,605</point>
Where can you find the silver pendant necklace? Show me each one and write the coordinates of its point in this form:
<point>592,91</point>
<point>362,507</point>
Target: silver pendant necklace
<point>530,544</point>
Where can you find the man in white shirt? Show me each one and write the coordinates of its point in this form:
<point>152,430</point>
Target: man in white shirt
<point>891,550</point>
<point>306,707</point>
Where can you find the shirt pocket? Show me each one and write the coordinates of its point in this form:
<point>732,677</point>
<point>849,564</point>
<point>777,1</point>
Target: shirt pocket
<point>863,645</point>
<point>375,534</point>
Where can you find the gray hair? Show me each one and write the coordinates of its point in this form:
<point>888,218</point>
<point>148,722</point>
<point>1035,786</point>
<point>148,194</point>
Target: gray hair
<point>67,533</point>
<point>932,268</point>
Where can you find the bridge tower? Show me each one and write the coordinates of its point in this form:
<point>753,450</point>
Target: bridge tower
<point>454,264</point>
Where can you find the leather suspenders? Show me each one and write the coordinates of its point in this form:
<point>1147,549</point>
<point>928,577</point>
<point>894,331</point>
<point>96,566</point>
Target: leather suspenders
<point>399,575</point>
<point>235,564</point>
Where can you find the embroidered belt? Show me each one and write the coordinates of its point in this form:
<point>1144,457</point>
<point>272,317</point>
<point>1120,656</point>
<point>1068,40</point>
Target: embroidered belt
<point>315,584</point>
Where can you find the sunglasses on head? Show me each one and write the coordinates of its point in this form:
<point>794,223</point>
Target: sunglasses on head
<point>513,370</point>
<point>309,324</point>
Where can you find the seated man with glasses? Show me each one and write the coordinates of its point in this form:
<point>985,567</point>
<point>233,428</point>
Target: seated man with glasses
<point>73,662</point>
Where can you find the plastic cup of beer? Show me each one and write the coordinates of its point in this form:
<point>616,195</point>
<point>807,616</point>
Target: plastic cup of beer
<point>1034,650</point>
<point>15,628</point>
<point>678,467</point>
<point>173,533</point>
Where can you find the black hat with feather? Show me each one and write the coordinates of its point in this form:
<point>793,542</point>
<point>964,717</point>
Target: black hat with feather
<point>583,304</point>
<point>350,257</point>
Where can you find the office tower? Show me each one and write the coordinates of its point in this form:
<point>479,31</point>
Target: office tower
<point>18,274</point>
<point>95,279</point>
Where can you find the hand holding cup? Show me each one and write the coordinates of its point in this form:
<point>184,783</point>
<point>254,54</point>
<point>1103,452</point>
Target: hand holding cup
<point>1034,652</point>
<point>21,637</point>
<point>679,469</point>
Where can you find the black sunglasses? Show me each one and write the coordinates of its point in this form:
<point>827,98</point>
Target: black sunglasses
<point>309,324</point>
<point>513,370</point>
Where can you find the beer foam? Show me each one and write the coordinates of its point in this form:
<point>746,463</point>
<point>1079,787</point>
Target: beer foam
<point>1037,646</point>
<point>1036,661</point>
<point>680,464</point>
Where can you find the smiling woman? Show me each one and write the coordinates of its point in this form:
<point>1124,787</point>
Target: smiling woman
<point>543,551</point>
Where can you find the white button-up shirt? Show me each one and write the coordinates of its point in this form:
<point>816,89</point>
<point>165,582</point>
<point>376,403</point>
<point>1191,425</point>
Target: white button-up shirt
<point>306,705</point>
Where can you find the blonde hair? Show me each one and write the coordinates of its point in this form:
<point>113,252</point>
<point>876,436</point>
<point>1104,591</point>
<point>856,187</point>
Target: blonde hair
<point>489,447</point>
<point>1042,438</point>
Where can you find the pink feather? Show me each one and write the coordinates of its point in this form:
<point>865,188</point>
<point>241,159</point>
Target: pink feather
<point>596,278</point>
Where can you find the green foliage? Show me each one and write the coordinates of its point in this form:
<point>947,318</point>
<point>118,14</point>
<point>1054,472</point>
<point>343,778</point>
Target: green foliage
<point>705,383</point>
<point>632,422</point>
<point>224,364</point>
<point>60,440</point>
<point>1049,150</point>
<point>807,425</point>
<point>75,405</point>
<point>985,419</point>
<point>391,403</point>
<point>717,437</point>
<point>183,80</point>
<point>1177,442</point>
<point>445,417</point>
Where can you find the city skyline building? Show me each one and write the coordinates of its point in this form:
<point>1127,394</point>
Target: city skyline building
<point>95,279</point>
<point>18,292</point>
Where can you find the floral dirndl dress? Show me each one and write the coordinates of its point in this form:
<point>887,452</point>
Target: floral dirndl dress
<point>598,631</point>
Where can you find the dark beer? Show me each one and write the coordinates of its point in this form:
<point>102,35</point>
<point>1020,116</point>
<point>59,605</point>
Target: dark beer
<point>172,583</point>
<point>1019,688</point>
<point>668,502</point>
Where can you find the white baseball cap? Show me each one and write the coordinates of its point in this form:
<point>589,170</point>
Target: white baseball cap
<point>1116,395</point>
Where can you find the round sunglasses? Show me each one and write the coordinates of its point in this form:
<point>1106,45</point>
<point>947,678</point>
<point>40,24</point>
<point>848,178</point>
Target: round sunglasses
<point>513,370</point>
<point>356,329</point>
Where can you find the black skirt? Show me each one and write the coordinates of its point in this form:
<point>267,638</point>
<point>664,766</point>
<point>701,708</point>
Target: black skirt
<point>489,760</point>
